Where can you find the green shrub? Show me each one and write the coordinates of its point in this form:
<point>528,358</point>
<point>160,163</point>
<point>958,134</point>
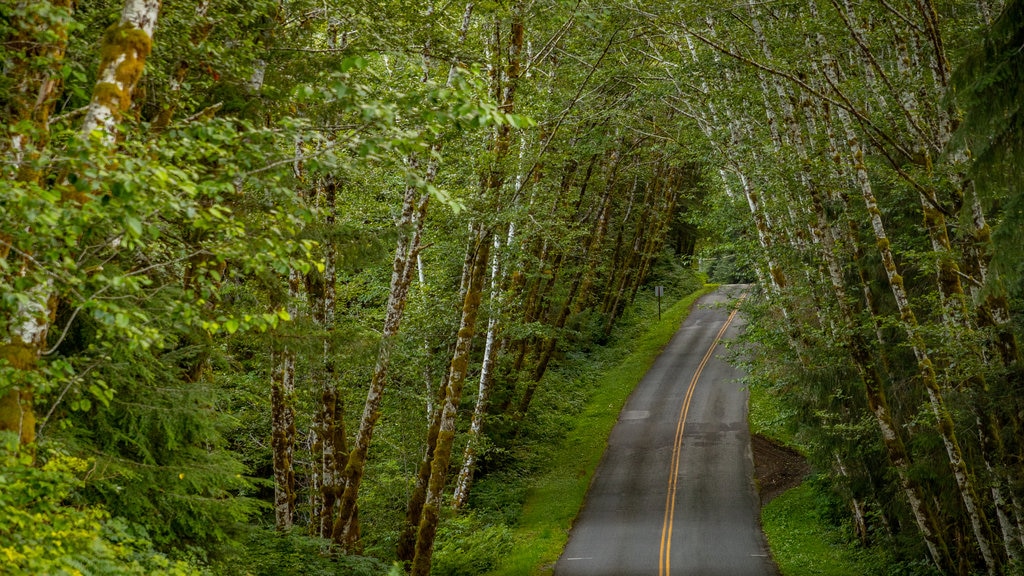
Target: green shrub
<point>42,533</point>
<point>265,552</point>
<point>467,547</point>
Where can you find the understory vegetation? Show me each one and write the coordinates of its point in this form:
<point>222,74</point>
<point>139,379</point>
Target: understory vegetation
<point>312,285</point>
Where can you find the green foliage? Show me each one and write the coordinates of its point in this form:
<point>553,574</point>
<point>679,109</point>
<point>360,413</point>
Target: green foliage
<point>165,257</point>
<point>161,453</point>
<point>43,532</point>
<point>467,546</point>
<point>265,552</point>
<point>769,414</point>
<point>804,543</point>
<point>990,84</point>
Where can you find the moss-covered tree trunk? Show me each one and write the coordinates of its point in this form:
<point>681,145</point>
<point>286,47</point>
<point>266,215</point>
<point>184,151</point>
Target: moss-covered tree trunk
<point>123,52</point>
<point>927,374</point>
<point>491,350</point>
<point>481,242</point>
<point>328,442</point>
<point>874,389</point>
<point>406,548</point>
<point>345,532</point>
<point>282,438</point>
<point>282,420</point>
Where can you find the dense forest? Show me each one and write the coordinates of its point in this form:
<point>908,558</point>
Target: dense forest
<point>293,286</point>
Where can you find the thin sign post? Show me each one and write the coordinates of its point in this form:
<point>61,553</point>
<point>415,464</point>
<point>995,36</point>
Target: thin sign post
<point>659,291</point>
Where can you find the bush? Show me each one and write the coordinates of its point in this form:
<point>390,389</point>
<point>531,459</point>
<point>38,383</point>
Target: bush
<point>265,552</point>
<point>41,533</point>
<point>466,547</point>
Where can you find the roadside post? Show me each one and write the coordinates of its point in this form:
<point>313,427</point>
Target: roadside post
<point>659,291</point>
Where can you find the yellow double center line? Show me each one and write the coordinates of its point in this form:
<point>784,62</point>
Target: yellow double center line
<point>665,552</point>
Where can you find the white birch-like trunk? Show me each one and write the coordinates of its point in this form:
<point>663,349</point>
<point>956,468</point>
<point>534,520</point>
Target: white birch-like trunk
<point>126,47</point>
<point>476,427</point>
<point>480,243</point>
<point>953,451</point>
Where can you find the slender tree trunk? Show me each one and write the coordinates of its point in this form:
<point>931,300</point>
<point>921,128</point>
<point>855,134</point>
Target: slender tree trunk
<point>282,438</point>
<point>926,369</point>
<point>874,389</point>
<point>123,50</point>
<point>126,45</point>
<point>328,442</point>
<point>345,531</point>
<point>491,348</point>
<point>573,303</point>
<point>282,408</point>
<point>456,381</point>
<point>405,265</point>
<point>406,549</point>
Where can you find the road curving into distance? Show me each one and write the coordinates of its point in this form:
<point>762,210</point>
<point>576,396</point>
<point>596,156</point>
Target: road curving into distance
<point>674,491</point>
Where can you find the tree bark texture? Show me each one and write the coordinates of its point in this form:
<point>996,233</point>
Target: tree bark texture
<point>345,532</point>
<point>123,51</point>
<point>427,531</point>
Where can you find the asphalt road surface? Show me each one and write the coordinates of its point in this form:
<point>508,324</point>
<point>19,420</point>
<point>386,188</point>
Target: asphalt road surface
<point>674,492</point>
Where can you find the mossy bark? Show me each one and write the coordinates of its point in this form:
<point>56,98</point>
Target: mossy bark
<point>282,438</point>
<point>329,445</point>
<point>406,548</point>
<point>123,52</point>
<point>16,411</point>
<point>456,381</point>
<point>926,370</point>
<point>345,531</point>
<point>37,48</point>
<point>491,351</point>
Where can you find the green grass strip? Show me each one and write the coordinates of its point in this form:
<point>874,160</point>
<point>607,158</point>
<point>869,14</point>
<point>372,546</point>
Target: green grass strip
<point>803,543</point>
<point>554,501</point>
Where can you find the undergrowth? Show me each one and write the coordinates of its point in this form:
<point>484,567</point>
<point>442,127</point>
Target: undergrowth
<point>802,534</point>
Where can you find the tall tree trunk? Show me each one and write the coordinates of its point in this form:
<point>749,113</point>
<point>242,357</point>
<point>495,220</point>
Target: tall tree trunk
<point>125,47</point>
<point>491,348</point>
<point>414,212</point>
<point>346,531</point>
<point>927,374</point>
<point>328,441</point>
<point>573,303</point>
<point>481,242</point>
<point>406,549</point>
<point>860,353</point>
<point>123,50</point>
<point>282,438</point>
<point>282,409</point>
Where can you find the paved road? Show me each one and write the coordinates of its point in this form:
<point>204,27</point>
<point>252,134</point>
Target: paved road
<point>674,493</point>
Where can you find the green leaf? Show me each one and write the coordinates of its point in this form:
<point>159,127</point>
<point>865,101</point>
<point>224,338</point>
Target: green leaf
<point>134,225</point>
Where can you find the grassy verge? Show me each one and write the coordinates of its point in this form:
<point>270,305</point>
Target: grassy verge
<point>802,541</point>
<point>553,502</point>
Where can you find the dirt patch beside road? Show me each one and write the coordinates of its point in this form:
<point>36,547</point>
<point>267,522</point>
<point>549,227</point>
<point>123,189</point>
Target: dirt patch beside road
<point>776,467</point>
